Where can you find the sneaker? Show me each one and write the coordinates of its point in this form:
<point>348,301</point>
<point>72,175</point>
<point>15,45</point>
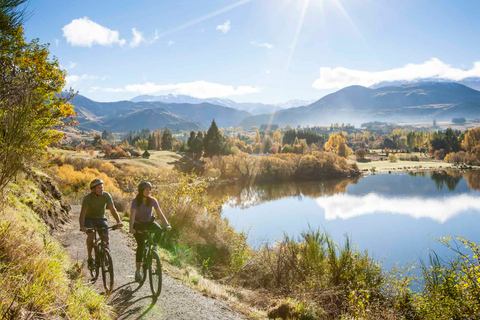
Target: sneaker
<point>91,264</point>
<point>138,276</point>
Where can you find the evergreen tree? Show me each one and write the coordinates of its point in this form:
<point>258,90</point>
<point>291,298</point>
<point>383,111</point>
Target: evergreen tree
<point>213,141</point>
<point>151,142</point>
<point>190,139</point>
<point>167,140</point>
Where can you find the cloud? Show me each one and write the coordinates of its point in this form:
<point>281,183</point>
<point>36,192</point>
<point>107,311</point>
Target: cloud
<point>339,77</point>
<point>85,33</point>
<point>170,43</point>
<point>344,206</point>
<point>57,42</point>
<point>76,80</point>
<point>197,89</point>
<point>71,64</point>
<point>137,38</point>
<point>224,27</point>
<point>262,45</point>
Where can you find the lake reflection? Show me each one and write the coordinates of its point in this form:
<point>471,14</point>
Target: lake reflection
<point>388,215</point>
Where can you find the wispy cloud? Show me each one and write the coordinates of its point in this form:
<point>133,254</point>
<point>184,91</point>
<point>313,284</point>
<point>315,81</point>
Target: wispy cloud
<point>344,206</point>
<point>262,45</point>
<point>137,38</point>
<point>205,17</point>
<point>75,81</point>
<point>57,42</point>
<point>225,27</point>
<point>198,89</point>
<point>170,43</point>
<point>84,32</point>
<point>71,64</point>
<point>339,77</point>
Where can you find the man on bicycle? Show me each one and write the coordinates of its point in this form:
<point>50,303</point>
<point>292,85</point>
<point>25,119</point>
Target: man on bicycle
<point>92,214</point>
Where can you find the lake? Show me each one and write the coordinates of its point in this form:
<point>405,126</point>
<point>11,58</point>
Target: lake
<point>392,216</point>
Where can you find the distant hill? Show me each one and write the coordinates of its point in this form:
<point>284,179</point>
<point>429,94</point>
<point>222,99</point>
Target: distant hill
<point>400,103</point>
<point>127,115</point>
<point>251,107</point>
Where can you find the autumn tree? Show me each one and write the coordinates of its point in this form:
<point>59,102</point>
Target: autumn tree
<point>31,106</point>
<point>336,143</point>
<point>472,139</point>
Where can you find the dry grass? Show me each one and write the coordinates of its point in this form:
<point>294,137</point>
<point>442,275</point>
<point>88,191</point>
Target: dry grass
<point>37,278</point>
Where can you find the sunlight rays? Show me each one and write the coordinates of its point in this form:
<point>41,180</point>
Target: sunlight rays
<point>347,17</point>
<point>204,18</point>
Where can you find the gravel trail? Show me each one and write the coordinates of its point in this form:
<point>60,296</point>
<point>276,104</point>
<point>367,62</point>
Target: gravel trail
<point>134,302</point>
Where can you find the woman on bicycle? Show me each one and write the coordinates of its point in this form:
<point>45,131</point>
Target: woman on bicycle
<point>142,218</point>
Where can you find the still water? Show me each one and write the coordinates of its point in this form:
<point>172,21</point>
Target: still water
<point>393,216</point>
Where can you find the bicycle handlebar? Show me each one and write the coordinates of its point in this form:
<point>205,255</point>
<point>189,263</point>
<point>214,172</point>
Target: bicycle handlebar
<point>148,231</point>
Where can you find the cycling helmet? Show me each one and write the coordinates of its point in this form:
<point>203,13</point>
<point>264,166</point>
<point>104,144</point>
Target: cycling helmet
<point>144,184</point>
<point>95,183</point>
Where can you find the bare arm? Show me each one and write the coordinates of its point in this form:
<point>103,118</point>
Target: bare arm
<point>160,213</point>
<point>81,220</point>
<point>132,220</point>
<point>114,212</point>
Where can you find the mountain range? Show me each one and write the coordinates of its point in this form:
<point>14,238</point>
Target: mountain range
<point>414,102</point>
<point>127,115</point>
<point>251,107</point>
<point>410,102</point>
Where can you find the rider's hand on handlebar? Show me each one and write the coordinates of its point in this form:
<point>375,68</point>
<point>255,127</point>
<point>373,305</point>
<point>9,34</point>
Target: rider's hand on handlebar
<point>132,231</point>
<point>83,229</point>
<point>119,225</point>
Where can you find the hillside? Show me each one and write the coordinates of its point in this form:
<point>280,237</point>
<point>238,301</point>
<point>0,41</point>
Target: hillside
<point>356,104</point>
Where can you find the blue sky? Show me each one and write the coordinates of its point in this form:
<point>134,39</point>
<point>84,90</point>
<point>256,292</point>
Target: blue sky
<point>266,51</point>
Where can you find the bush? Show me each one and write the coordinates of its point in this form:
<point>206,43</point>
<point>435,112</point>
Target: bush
<point>146,154</point>
<point>392,158</point>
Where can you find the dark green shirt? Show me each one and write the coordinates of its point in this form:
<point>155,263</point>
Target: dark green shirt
<point>96,205</point>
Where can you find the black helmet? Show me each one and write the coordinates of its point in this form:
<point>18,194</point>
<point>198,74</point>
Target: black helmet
<point>95,183</point>
<point>144,184</point>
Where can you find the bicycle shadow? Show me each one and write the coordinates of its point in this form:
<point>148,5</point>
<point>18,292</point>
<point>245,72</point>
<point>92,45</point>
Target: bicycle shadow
<point>126,305</point>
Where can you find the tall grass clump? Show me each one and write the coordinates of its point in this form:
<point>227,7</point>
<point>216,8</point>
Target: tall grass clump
<point>313,269</point>
<point>37,279</point>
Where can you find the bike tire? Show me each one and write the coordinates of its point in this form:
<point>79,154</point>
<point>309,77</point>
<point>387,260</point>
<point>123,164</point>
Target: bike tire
<point>96,258</point>
<point>107,271</point>
<point>155,274</point>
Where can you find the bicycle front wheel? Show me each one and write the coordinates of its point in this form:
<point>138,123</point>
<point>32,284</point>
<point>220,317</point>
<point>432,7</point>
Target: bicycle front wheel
<point>155,274</point>
<point>96,266</point>
<point>107,271</point>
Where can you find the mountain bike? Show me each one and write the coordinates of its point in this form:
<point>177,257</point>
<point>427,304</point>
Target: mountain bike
<point>151,262</point>
<point>102,259</point>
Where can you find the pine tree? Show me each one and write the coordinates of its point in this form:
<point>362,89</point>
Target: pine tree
<point>167,140</point>
<point>213,141</point>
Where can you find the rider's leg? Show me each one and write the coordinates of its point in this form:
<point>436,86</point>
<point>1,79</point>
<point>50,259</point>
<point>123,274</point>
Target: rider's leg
<point>140,238</point>
<point>89,245</point>
<point>155,226</point>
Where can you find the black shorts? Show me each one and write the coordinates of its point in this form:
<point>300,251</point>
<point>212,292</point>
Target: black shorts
<point>91,223</point>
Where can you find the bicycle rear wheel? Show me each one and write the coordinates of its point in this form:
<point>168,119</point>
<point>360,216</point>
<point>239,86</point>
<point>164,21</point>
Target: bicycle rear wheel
<point>107,271</point>
<point>155,274</point>
<point>96,267</point>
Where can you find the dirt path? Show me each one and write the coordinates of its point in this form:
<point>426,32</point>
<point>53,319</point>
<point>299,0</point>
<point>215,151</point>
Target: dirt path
<point>133,302</point>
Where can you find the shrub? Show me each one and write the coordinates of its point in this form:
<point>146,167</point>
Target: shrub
<point>392,158</point>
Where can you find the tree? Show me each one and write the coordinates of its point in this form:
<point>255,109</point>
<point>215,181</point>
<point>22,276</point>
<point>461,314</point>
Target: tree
<point>97,141</point>
<point>472,139</point>
<point>107,135</point>
<point>213,141</point>
<point>336,144</point>
<point>360,154</point>
<point>146,154</point>
<point>31,108</point>
<point>142,144</point>
<point>151,142</point>
<point>167,140</point>
<point>277,136</point>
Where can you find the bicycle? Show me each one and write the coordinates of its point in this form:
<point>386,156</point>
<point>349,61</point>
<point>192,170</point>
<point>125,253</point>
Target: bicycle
<point>102,260</point>
<point>151,262</point>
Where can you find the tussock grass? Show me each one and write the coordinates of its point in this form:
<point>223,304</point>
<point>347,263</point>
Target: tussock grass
<point>37,279</point>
